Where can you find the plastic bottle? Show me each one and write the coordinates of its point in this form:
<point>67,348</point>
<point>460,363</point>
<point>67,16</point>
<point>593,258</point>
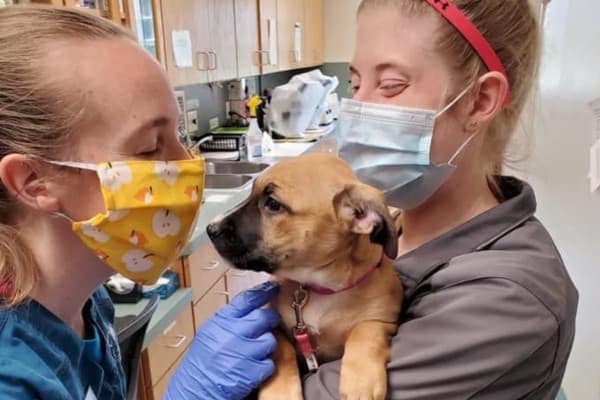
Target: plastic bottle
<point>255,134</point>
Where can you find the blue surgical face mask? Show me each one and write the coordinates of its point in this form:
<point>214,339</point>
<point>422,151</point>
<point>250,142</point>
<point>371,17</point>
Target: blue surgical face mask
<point>389,147</point>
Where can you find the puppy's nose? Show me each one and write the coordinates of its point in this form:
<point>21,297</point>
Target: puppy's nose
<point>213,230</point>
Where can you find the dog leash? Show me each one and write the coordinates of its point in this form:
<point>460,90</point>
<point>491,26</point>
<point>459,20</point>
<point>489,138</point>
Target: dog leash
<point>300,331</point>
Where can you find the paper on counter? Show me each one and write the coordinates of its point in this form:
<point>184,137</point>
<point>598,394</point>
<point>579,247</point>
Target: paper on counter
<point>182,49</point>
<point>272,32</point>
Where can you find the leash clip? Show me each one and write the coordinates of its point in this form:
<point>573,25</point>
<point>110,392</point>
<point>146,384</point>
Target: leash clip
<point>300,331</point>
<point>300,300</point>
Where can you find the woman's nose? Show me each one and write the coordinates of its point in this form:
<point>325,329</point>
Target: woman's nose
<point>362,94</point>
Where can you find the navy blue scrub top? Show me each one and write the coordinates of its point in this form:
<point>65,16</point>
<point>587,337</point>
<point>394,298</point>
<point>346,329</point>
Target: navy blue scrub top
<point>42,358</point>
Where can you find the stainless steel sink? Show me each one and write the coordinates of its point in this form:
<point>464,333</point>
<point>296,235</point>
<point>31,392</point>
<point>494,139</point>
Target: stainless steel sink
<point>234,167</point>
<point>226,181</point>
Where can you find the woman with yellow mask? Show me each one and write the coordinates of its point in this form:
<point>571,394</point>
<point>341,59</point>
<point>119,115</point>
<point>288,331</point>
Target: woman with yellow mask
<point>88,154</point>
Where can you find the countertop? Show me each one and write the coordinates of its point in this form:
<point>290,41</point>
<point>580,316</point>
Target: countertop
<point>216,202</point>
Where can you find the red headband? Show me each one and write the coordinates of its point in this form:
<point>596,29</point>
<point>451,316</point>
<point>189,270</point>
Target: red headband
<point>475,38</point>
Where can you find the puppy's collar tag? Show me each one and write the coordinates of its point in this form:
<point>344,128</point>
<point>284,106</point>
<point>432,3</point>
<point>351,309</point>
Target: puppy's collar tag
<point>300,331</point>
<point>326,291</point>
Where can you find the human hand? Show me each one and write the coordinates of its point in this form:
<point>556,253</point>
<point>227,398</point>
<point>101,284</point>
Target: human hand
<point>230,355</point>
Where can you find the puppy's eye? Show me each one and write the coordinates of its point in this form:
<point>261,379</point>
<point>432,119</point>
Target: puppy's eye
<point>273,206</point>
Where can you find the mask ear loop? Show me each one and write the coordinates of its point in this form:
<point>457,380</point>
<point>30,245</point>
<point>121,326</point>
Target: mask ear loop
<point>73,164</point>
<point>63,216</point>
<point>461,148</point>
<point>456,100</point>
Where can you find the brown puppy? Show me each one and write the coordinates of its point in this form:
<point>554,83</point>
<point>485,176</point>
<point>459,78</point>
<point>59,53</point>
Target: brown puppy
<point>325,236</point>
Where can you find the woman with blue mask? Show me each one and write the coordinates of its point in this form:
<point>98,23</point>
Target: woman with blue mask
<point>489,308</point>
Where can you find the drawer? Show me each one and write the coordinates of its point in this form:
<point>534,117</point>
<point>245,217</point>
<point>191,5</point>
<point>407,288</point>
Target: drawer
<point>216,298</point>
<point>204,268</point>
<point>168,347</point>
<point>160,389</point>
<point>238,281</point>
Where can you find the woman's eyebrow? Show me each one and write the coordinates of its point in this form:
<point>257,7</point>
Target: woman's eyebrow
<point>392,65</point>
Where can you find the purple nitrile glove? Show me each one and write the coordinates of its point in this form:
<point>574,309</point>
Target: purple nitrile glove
<point>230,355</point>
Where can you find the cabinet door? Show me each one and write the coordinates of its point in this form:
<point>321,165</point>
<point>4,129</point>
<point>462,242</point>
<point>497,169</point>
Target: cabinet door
<point>216,298</point>
<point>238,281</point>
<point>192,16</point>
<point>223,58</point>
<point>289,14</point>
<point>246,31</point>
<point>313,22</point>
<point>143,24</point>
<point>166,349</point>
<point>269,36</point>
<point>204,268</point>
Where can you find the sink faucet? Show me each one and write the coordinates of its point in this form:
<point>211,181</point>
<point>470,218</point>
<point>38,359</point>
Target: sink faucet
<point>199,143</point>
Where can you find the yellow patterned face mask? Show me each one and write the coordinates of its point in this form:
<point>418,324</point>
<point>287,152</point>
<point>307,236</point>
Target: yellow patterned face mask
<point>151,209</point>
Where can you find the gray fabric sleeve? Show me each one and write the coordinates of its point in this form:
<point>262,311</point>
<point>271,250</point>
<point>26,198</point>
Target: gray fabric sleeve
<point>459,342</point>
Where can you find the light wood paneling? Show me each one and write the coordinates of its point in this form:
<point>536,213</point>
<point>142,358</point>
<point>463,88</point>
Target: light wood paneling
<point>249,57</point>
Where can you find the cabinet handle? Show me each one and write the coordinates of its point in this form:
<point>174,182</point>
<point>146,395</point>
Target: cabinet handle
<point>200,55</point>
<point>180,340</point>
<point>223,293</point>
<point>168,329</point>
<point>213,57</point>
<point>268,54</point>
<point>295,60</point>
<point>214,264</point>
<point>259,58</point>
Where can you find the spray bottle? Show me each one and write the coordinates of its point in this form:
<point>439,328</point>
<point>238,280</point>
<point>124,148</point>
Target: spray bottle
<point>255,134</point>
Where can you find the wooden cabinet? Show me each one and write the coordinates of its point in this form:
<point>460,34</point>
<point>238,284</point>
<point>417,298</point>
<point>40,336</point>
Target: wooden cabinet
<point>269,57</point>
<point>238,281</point>
<point>223,57</point>
<point>212,301</point>
<point>290,16</point>
<point>145,20</point>
<point>249,55</point>
<point>203,268</point>
<point>190,16</point>
<point>160,388</point>
<point>295,29</point>
<point>166,350</point>
<point>313,28</point>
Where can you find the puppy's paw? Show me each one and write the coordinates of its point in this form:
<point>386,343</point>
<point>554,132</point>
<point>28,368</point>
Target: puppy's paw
<point>363,382</point>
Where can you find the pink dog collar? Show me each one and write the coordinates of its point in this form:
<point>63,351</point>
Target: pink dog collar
<point>326,291</point>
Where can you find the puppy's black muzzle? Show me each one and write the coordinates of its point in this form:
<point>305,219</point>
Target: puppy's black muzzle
<point>236,238</point>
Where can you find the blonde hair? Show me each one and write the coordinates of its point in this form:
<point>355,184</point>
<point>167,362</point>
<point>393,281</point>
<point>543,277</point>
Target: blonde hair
<point>512,30</point>
<point>35,118</point>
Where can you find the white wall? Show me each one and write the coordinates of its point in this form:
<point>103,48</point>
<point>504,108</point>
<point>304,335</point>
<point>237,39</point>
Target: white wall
<point>340,29</point>
<point>558,169</point>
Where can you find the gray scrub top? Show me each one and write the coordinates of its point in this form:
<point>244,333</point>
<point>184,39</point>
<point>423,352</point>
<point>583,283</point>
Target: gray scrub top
<point>489,312</point>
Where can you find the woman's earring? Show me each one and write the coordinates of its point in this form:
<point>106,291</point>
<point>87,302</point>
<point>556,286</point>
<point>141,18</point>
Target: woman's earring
<point>473,126</point>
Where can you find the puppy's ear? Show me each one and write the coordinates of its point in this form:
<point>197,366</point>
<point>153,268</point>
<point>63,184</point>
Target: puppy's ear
<point>363,210</point>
